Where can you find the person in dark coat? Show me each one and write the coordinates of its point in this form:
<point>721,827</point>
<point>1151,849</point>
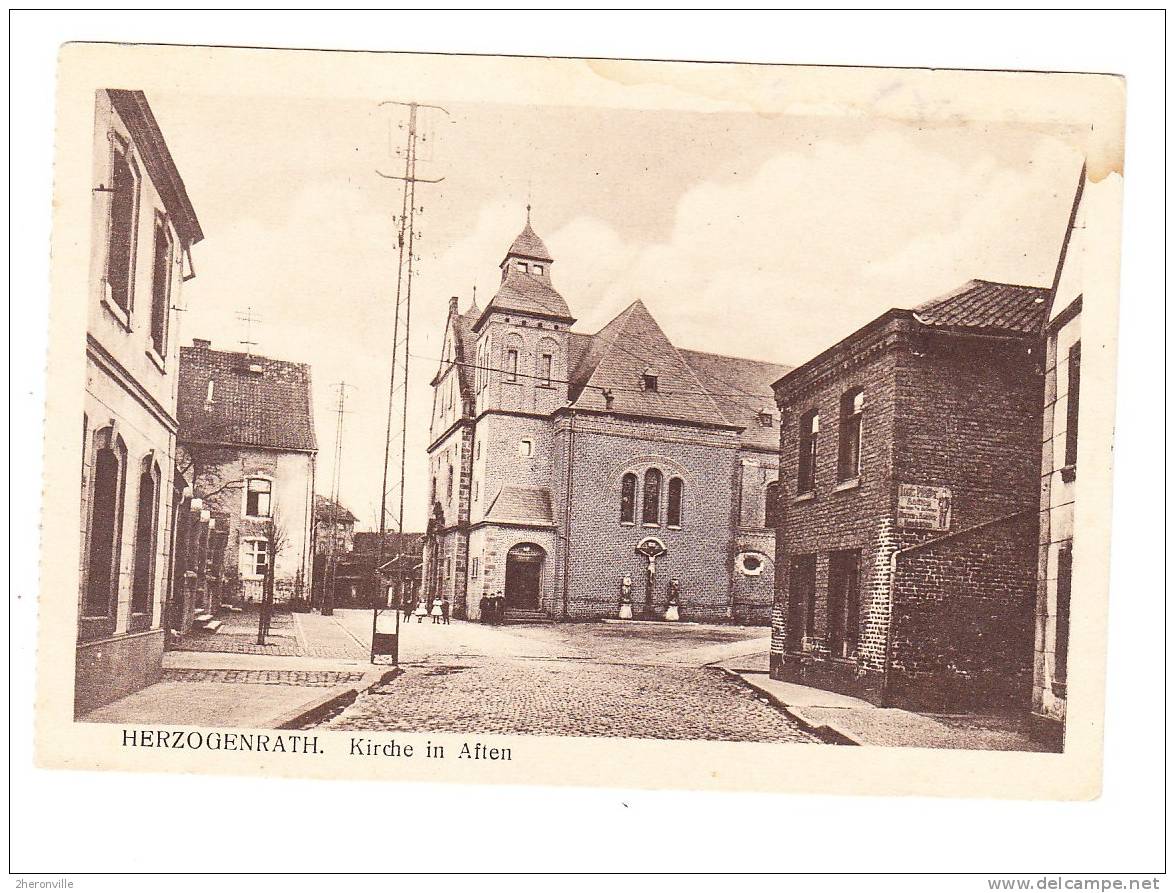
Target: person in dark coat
<point>445,610</point>
<point>484,609</point>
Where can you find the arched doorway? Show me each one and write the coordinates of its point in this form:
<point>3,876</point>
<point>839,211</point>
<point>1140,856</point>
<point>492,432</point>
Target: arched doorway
<point>524,577</point>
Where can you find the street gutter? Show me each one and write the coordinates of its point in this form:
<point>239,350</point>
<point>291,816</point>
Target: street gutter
<point>332,700</point>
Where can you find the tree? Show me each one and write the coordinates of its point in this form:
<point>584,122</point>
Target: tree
<point>278,539</point>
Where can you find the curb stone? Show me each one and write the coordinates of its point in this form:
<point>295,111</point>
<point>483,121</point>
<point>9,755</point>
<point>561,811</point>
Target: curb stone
<point>826,733</point>
<point>316,709</point>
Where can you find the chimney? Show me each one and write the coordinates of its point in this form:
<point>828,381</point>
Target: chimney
<point>202,343</point>
<point>453,304</point>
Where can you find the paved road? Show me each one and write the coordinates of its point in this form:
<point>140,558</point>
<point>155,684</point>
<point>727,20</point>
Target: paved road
<point>594,679</point>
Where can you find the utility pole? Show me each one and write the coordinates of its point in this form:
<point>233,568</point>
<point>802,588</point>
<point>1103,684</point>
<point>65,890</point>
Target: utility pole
<point>328,584</point>
<point>397,423</point>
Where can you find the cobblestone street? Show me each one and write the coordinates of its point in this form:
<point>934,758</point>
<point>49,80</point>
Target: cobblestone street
<point>596,679</point>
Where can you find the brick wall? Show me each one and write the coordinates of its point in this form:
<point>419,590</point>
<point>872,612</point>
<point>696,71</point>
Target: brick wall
<point>964,619</point>
<point>939,410</point>
<point>602,549</point>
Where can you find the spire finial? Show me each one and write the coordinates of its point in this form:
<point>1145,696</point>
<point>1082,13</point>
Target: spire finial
<point>528,213</point>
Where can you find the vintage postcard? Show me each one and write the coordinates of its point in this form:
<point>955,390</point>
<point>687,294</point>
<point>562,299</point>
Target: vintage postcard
<point>580,421</point>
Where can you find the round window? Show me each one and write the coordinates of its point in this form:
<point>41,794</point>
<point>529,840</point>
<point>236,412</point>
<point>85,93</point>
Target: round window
<point>751,563</point>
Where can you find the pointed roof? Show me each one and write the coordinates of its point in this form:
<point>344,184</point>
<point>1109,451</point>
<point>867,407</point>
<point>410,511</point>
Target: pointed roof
<point>529,245</point>
<point>523,293</point>
<point>617,359</point>
<point>988,306</point>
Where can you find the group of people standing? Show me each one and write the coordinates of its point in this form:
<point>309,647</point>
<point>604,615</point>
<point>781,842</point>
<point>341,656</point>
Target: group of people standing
<point>414,606</point>
<point>493,609</point>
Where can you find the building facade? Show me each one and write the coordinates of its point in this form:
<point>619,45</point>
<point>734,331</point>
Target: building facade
<point>1058,481</point>
<point>909,471</point>
<point>571,472</point>
<point>333,521</point>
<point>246,434</point>
<point>142,230</point>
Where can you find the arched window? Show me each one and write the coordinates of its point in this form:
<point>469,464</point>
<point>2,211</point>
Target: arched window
<point>628,498</point>
<point>105,529</point>
<point>651,512</point>
<point>771,500</point>
<point>146,525</point>
<point>673,506</point>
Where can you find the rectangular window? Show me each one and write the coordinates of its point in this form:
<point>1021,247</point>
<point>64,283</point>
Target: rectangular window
<point>537,269</point>
<point>1071,404</point>
<point>256,557</point>
<point>526,448</point>
<point>844,603</point>
<point>511,365</point>
<point>161,287</point>
<point>852,408</point>
<point>801,597</point>
<point>546,363</point>
<point>124,207</point>
<point>809,429</point>
<point>258,497</point>
<point>1064,591</point>
<point>649,382</point>
<point>474,568</point>
<point>521,264</point>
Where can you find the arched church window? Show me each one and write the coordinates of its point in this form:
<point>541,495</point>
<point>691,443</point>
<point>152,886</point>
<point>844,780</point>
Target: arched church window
<point>651,511</point>
<point>628,498</point>
<point>673,504</point>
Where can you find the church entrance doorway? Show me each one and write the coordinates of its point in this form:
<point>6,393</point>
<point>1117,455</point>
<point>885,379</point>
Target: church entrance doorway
<point>524,574</point>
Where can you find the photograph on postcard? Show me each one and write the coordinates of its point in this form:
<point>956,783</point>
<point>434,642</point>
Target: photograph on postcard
<point>495,398</point>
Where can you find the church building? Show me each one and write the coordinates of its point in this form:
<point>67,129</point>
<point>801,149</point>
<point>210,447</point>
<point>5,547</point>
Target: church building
<point>582,476</point>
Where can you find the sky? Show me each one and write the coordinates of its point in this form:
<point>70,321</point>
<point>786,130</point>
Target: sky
<point>769,236</point>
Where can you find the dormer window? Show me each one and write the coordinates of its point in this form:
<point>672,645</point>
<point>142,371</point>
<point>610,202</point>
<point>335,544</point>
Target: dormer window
<point>537,269</point>
<point>766,418</point>
<point>521,265</point>
<point>649,380</point>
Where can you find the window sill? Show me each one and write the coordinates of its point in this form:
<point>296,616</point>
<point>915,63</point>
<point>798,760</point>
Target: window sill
<point>508,381</point>
<point>673,527</point>
<point>804,497</point>
<point>159,362</point>
<point>545,387</point>
<point>1069,474</point>
<point>627,524</point>
<point>122,317</point>
<point>258,517</point>
<point>649,525</point>
<point>850,484</point>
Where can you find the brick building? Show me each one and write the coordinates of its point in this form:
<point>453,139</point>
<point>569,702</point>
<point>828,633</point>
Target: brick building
<point>1058,481</point>
<point>563,464</point>
<point>909,469</point>
<point>246,432</point>
<point>142,228</point>
<point>334,520</point>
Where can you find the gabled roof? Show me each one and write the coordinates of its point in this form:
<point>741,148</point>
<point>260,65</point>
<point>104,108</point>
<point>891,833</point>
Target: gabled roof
<point>742,390</point>
<point>323,511</point>
<point>529,245</point>
<point>256,401</point>
<point>523,293</point>
<point>616,361</point>
<point>521,505</point>
<point>988,306</point>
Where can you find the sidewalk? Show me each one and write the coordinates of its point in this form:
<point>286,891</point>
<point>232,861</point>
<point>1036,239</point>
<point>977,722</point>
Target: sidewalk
<point>851,720</point>
<point>310,666</point>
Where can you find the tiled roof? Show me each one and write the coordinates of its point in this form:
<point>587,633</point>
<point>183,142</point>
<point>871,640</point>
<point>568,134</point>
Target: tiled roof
<point>322,511</point>
<point>742,390</point>
<point>988,306</point>
<point>529,245</point>
<point>521,505</point>
<point>616,361</point>
<point>256,401</point>
<point>525,293</point>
